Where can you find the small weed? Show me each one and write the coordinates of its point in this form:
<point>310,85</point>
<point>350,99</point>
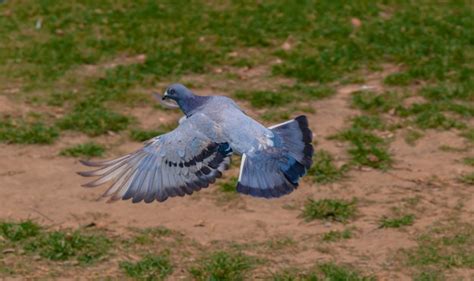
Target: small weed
<point>326,271</point>
<point>280,243</point>
<point>273,115</point>
<point>335,235</point>
<point>333,271</point>
<point>444,247</point>
<point>447,148</point>
<point>229,186</point>
<point>368,122</point>
<point>93,120</point>
<point>60,98</point>
<point>148,235</point>
<point>89,149</point>
<point>397,221</point>
<point>260,99</point>
<point>19,231</point>
<point>398,79</point>
<point>302,91</point>
<point>429,275</point>
<point>412,136</point>
<point>469,161</point>
<point>367,149</point>
<point>63,245</point>
<point>323,169</point>
<point>25,133</point>
<point>467,178</point>
<point>329,209</point>
<point>148,268</point>
<point>223,266</point>
<point>469,135</point>
<point>375,103</point>
<point>144,135</point>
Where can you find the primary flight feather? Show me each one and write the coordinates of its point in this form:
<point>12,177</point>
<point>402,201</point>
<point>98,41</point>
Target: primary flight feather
<point>198,151</point>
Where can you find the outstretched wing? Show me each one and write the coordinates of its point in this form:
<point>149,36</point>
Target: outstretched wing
<point>174,164</point>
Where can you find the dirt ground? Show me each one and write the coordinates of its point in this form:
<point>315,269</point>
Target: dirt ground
<point>38,184</point>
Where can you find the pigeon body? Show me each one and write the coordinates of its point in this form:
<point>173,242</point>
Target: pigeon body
<point>198,151</point>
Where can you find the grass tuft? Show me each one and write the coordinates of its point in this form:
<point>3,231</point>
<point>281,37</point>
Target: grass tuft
<point>89,149</point>
<point>25,133</point>
<point>335,235</point>
<point>329,209</point>
<point>148,268</point>
<point>444,247</point>
<point>368,122</point>
<point>325,271</point>
<point>260,99</point>
<point>93,120</point>
<point>367,149</point>
<point>19,231</point>
<point>229,186</point>
<point>223,266</point>
<point>469,161</point>
<point>64,245</point>
<point>375,103</point>
<point>144,135</point>
<point>323,169</point>
<point>467,178</point>
<point>397,221</point>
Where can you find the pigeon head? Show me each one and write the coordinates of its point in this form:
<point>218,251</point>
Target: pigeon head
<point>186,100</point>
<point>177,92</point>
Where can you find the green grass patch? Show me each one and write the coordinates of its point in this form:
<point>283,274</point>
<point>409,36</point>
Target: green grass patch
<point>375,103</point>
<point>260,99</point>
<point>144,135</point>
<point>398,79</point>
<point>19,231</point>
<point>397,222</point>
<point>325,271</point>
<point>469,135</point>
<point>468,161</point>
<point>13,131</point>
<point>336,235</point>
<point>467,178</point>
<point>229,186</point>
<point>366,148</point>
<point>89,149</point>
<point>148,268</point>
<point>324,170</point>
<point>307,91</point>
<point>148,236</point>
<point>93,120</point>
<point>368,122</point>
<point>65,245</point>
<point>329,209</point>
<point>443,247</point>
<point>223,266</point>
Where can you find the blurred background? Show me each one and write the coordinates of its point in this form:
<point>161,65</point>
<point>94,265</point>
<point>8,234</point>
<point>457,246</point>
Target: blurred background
<point>388,87</point>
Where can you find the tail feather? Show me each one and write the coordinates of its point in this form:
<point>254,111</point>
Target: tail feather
<point>273,174</point>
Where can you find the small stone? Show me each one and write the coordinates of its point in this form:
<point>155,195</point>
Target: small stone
<point>356,22</point>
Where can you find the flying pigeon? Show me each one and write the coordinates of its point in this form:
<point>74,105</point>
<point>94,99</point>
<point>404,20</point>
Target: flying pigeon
<point>199,150</point>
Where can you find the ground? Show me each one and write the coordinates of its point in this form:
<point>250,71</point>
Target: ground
<point>388,91</point>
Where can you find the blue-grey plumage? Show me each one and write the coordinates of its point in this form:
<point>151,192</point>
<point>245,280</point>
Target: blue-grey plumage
<point>198,151</point>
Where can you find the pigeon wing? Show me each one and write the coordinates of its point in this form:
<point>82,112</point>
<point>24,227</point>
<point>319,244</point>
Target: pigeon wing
<point>174,164</point>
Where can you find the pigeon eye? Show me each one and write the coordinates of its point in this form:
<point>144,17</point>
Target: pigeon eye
<point>172,92</point>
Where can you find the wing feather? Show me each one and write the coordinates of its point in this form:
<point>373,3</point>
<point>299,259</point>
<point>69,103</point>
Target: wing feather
<point>174,164</point>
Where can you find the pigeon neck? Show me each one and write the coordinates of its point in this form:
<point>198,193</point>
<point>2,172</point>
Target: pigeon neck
<point>191,104</point>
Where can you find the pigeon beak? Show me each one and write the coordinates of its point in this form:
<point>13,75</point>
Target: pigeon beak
<point>165,95</point>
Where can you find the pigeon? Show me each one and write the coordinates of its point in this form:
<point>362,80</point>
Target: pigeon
<point>199,150</point>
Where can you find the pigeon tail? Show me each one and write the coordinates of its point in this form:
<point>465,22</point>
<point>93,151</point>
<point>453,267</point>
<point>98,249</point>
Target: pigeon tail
<point>270,174</point>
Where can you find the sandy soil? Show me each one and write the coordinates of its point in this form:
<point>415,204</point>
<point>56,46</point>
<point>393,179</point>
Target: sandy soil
<point>36,183</point>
